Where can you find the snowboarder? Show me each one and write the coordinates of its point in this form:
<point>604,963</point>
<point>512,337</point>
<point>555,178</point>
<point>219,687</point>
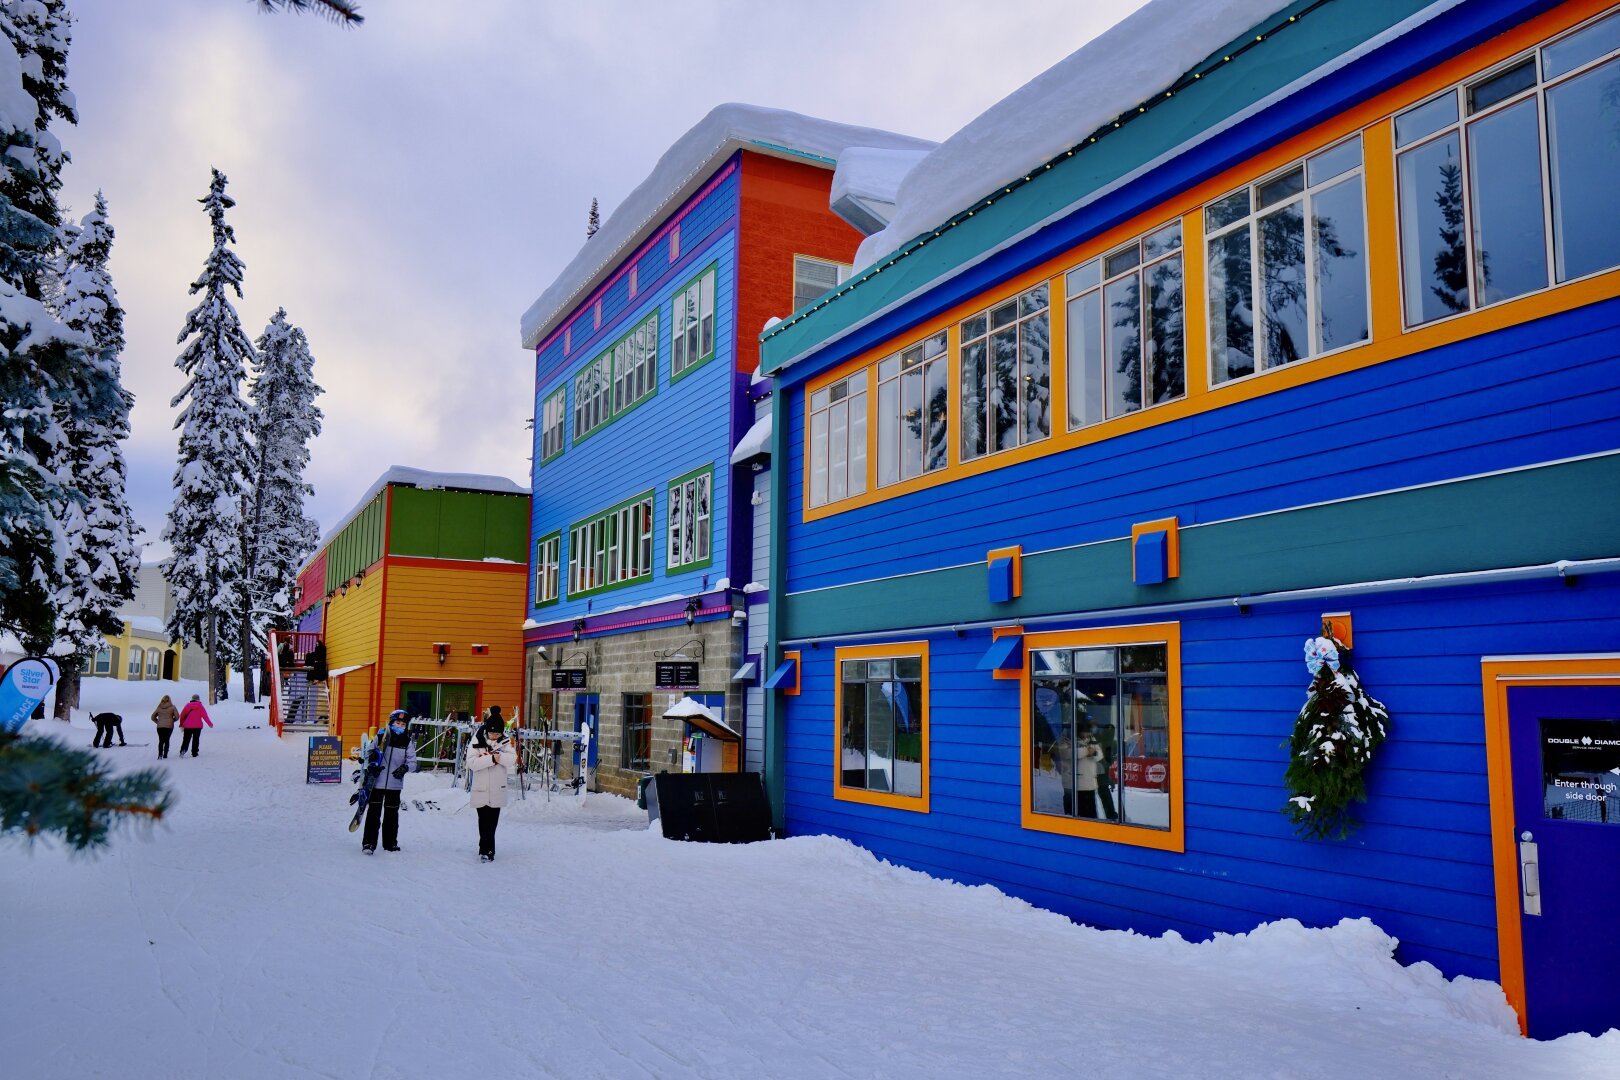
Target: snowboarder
<point>164,716</point>
<point>493,758</point>
<point>106,724</point>
<point>396,755</point>
<point>192,719</point>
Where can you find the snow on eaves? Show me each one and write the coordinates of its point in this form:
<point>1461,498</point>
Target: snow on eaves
<point>426,480</point>
<point>1137,59</point>
<point>678,172</point>
<point>755,441</point>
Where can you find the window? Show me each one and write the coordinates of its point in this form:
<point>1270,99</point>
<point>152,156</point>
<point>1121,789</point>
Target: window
<point>882,741</point>
<point>838,440</point>
<point>1297,242</point>
<point>151,663</point>
<point>1007,375</point>
<point>689,521</point>
<point>1506,184</point>
<point>546,560</point>
<point>611,549</point>
<point>551,424</point>
<point>691,333</point>
<point>1102,738</point>
<point>635,753</point>
<point>103,664</point>
<point>1127,344</point>
<point>913,404</point>
<point>813,278</point>
<point>593,396</point>
<point>137,656</point>
<point>635,365</point>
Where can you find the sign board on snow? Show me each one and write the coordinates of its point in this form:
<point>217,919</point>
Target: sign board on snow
<point>568,678</point>
<point>675,675</point>
<point>325,760</point>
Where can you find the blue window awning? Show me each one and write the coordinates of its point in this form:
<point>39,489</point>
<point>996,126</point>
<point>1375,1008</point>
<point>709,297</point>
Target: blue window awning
<point>785,676</point>
<point>1004,654</point>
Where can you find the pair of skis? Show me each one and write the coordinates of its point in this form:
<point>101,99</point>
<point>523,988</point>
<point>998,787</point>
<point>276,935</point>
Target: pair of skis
<point>370,756</point>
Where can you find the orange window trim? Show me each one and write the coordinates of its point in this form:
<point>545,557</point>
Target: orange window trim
<point>915,803</point>
<point>1169,634</point>
<point>1373,119</point>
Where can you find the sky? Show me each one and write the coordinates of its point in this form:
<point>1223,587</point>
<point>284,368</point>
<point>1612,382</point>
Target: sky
<point>406,189</point>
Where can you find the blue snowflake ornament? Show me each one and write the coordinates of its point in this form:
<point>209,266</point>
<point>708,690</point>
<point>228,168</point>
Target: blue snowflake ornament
<point>1319,651</point>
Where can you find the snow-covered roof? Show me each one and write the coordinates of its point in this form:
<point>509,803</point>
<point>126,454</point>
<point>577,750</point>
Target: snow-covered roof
<point>426,480</point>
<point>678,173</point>
<point>755,441</point>
<point>146,624</point>
<point>695,712</point>
<point>867,182</point>
<point>1137,59</point>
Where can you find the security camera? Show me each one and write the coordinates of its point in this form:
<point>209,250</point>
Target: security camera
<point>545,656</point>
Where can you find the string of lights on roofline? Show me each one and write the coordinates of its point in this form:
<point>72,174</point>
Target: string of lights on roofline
<point>918,242</point>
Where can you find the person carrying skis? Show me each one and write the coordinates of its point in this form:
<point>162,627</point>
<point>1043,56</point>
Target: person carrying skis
<point>192,719</point>
<point>395,756</point>
<point>164,717</point>
<point>493,758</point>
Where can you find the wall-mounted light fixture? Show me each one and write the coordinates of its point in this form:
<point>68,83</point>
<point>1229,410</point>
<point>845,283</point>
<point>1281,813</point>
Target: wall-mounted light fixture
<point>579,629</point>
<point>343,589</point>
<point>359,578</point>
<point>691,611</point>
<point>443,649</point>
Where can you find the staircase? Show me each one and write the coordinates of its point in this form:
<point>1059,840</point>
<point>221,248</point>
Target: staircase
<point>304,704</point>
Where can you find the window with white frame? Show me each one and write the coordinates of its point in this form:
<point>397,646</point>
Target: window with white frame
<point>690,521</point>
<point>151,663</point>
<point>813,278</point>
<point>913,406</point>
<point>611,548</point>
<point>691,333</point>
<point>1506,183</point>
<point>635,364</point>
<point>546,561</point>
<point>137,656</point>
<point>1006,357</point>
<point>593,396</point>
<point>1288,265</point>
<point>552,413</point>
<point>837,421</point>
<point>1127,329</point>
<point>103,662</point>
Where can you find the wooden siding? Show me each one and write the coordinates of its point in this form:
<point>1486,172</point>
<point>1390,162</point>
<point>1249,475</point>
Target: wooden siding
<point>352,714</point>
<point>1420,868</point>
<point>477,603</point>
<point>359,545</point>
<point>445,524</point>
<point>353,629</point>
<point>311,583</point>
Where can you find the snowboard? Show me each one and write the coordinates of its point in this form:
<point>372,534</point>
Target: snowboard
<point>371,756</point>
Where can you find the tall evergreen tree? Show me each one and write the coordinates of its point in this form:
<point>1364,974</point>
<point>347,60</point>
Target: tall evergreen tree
<point>278,535</point>
<point>103,556</point>
<point>593,221</point>
<point>204,526</point>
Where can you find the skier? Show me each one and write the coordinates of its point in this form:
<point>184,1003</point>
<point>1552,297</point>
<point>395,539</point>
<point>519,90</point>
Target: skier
<point>493,758</point>
<point>192,719</point>
<point>164,717</point>
<point>107,723</point>
<point>396,752</point>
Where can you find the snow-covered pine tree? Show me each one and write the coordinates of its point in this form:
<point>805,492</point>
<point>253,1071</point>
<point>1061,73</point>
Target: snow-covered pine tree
<point>103,555</point>
<point>277,533</point>
<point>204,525</point>
<point>593,221</point>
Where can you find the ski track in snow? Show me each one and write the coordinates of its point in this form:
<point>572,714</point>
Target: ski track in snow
<point>247,936</point>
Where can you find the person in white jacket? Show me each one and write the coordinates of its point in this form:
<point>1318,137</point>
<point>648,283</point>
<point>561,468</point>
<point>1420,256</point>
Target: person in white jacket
<point>493,758</point>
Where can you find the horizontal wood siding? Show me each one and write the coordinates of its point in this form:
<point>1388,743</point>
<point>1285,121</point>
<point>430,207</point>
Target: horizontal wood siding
<point>1539,391</point>
<point>353,717</point>
<point>464,607</point>
<point>1420,867</point>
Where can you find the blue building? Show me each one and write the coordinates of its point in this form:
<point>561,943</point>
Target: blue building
<point>1146,384</point>
<point>643,572</point>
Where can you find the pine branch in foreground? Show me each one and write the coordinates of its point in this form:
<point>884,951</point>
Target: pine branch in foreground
<point>345,12</point>
<point>50,789</point>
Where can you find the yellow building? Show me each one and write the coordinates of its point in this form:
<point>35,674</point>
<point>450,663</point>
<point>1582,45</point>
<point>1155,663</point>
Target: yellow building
<point>145,650</point>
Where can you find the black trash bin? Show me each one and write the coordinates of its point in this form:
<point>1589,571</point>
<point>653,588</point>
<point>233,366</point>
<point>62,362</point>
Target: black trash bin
<point>715,808</point>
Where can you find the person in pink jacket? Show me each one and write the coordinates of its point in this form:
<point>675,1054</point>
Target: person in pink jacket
<point>192,719</point>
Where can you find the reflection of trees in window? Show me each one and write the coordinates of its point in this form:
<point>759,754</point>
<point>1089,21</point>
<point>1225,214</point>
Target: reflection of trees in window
<point>1006,375</point>
<point>1451,257</point>
<point>913,405</point>
<point>1134,355</point>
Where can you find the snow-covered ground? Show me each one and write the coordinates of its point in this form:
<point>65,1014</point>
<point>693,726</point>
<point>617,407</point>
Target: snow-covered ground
<point>248,937</point>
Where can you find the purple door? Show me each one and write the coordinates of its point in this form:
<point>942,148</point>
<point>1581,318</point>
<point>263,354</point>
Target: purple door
<point>1565,744</point>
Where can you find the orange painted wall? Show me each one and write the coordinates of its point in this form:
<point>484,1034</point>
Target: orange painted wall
<point>783,213</point>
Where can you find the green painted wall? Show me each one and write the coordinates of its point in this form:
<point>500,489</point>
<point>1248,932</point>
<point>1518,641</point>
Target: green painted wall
<point>358,545</point>
<point>1524,518</point>
<point>440,524</point>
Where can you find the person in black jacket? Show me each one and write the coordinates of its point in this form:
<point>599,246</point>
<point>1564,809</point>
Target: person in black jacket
<point>107,723</point>
<point>315,660</point>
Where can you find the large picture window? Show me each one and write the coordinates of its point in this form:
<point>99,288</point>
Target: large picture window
<point>635,364</point>
<point>1288,265</point>
<point>612,548</point>
<point>912,407</point>
<point>546,567</point>
<point>837,421</point>
<point>882,741</point>
<point>1007,375</point>
<point>1506,183</point>
<point>552,415</point>
<point>691,332</point>
<point>593,396</point>
<point>635,753</point>
<point>1103,734</point>
<point>690,521</point>
<point>1127,339</point>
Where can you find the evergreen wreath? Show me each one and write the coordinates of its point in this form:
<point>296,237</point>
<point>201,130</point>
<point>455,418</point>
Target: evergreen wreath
<point>1333,743</point>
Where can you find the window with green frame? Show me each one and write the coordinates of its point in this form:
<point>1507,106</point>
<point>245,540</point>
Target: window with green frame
<point>612,548</point>
<point>546,567</point>
<point>691,331</point>
<point>552,414</point>
<point>593,396</point>
<point>635,364</point>
<point>690,521</point>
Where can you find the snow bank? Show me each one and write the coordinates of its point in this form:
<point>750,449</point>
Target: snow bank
<point>426,480</point>
<point>691,158</point>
